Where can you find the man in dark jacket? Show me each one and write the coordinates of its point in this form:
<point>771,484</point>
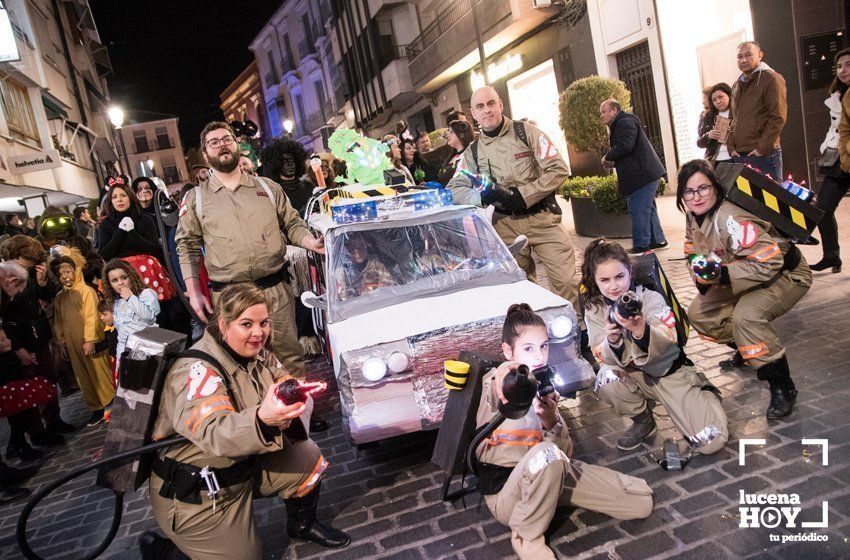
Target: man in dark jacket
<point>638,172</point>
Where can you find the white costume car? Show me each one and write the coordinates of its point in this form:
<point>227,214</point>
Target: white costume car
<point>432,282</point>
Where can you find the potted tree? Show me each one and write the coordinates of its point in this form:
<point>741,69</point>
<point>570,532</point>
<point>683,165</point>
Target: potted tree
<point>597,207</point>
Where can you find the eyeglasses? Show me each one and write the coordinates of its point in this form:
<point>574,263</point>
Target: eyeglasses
<point>216,143</point>
<point>702,190</point>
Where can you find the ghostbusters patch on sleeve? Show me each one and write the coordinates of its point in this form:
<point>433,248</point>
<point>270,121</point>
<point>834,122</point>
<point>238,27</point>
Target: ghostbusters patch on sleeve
<point>546,149</point>
<point>666,317</point>
<point>744,234</point>
<point>202,382</point>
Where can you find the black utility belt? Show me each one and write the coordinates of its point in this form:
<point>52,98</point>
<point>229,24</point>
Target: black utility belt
<point>549,203</point>
<point>263,283</point>
<point>186,482</point>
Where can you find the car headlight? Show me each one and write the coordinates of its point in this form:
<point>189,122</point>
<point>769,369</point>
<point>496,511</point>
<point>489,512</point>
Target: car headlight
<point>374,368</point>
<point>560,327</point>
<point>397,362</point>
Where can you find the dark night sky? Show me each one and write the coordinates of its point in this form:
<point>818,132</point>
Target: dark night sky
<point>175,57</point>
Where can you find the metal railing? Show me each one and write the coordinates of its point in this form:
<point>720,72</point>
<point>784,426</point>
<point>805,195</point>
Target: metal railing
<point>271,78</point>
<point>315,121</point>
<point>437,27</point>
<point>306,48</point>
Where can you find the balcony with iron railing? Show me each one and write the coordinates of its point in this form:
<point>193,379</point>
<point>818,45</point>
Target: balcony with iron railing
<point>271,78</point>
<point>451,36</point>
<point>306,48</point>
<point>325,11</point>
<point>315,121</point>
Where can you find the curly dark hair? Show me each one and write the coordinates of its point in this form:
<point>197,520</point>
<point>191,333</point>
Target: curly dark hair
<point>136,284</point>
<point>23,246</point>
<point>272,157</point>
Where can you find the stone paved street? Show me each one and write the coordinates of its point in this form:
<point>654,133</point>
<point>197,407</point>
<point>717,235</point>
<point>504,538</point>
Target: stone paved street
<point>387,496</point>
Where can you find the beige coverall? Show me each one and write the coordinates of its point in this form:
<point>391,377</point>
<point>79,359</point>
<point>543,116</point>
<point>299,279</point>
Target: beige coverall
<point>223,430</point>
<point>545,477</point>
<point>759,290</point>
<point>694,410</point>
<point>536,171</point>
<point>244,236</point>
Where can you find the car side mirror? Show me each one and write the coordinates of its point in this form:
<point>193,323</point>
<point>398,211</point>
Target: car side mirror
<point>518,245</point>
<point>311,300</point>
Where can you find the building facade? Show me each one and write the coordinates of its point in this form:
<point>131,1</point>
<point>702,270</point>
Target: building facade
<point>243,100</point>
<point>56,145</point>
<point>371,42</point>
<point>154,149</point>
<point>297,70</point>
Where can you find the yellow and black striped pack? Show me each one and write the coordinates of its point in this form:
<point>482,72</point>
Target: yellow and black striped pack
<point>792,216</point>
<point>647,272</point>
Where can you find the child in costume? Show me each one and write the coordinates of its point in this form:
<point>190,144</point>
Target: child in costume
<point>78,329</point>
<point>526,470</point>
<point>645,362</point>
<point>134,306</point>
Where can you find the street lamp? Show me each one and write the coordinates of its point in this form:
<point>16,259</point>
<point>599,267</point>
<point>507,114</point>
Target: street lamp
<point>116,117</point>
<point>288,125</point>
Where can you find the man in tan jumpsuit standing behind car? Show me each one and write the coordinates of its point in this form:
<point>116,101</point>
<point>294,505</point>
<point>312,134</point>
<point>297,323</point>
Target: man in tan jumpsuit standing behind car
<point>527,171</point>
<point>243,223</point>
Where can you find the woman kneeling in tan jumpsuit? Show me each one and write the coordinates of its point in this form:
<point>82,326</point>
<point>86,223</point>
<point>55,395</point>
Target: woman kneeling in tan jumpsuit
<point>237,428</point>
<point>763,275</point>
<point>533,453</point>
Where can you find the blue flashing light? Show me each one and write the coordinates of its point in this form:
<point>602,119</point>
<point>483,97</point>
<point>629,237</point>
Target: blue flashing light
<point>354,212</point>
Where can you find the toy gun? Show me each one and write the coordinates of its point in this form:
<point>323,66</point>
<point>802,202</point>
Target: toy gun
<point>292,391</point>
<point>547,378</point>
<point>480,181</point>
<point>628,305</point>
<point>706,267</point>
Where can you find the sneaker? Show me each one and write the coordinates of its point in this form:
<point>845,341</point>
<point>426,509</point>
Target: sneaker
<point>662,245</point>
<point>643,427</point>
<point>96,418</point>
<point>638,250</point>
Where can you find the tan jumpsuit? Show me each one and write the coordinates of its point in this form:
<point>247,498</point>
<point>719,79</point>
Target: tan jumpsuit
<point>759,290</point>
<point>244,235</point>
<point>223,430</point>
<point>544,477</point>
<point>693,409</point>
<point>536,171</point>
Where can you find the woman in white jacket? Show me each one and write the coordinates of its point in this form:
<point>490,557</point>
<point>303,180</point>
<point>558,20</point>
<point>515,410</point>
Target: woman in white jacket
<point>835,181</point>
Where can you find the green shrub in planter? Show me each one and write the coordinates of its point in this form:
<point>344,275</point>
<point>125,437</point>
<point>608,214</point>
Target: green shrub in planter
<point>579,111</point>
<point>603,191</point>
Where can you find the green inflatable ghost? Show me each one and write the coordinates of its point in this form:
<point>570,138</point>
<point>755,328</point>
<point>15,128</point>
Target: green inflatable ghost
<point>365,158</point>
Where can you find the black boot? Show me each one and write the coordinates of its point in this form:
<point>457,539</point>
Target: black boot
<point>11,475</point>
<point>44,438</point>
<point>783,393</point>
<point>154,547</point>
<point>643,427</point>
<point>735,362</point>
<point>317,423</point>
<point>301,522</point>
<point>827,262</point>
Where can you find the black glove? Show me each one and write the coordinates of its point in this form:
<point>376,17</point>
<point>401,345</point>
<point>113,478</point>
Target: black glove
<point>504,199</point>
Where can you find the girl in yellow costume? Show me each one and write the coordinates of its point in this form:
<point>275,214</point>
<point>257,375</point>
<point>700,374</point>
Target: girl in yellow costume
<point>78,328</point>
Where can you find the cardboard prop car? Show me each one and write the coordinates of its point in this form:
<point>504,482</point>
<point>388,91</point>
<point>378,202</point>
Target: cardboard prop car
<point>406,286</point>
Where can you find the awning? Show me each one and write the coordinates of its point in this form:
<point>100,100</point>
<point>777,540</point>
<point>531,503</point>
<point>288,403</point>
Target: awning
<point>104,150</point>
<point>11,194</point>
<point>54,110</point>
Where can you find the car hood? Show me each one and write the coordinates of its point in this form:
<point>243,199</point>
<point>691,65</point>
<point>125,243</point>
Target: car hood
<point>423,315</point>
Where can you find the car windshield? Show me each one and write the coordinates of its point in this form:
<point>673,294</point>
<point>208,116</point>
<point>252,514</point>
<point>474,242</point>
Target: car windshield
<point>373,265</point>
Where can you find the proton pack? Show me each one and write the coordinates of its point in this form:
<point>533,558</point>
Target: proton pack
<point>647,273</point>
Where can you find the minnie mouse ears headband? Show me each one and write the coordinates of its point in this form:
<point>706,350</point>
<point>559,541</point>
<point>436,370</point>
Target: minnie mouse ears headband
<point>119,180</point>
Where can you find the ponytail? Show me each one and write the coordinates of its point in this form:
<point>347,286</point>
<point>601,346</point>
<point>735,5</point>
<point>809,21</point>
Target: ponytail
<point>520,316</point>
<point>599,251</point>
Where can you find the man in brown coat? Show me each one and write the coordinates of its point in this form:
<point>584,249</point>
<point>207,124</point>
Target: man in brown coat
<point>759,110</point>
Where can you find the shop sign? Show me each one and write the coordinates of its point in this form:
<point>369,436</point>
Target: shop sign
<point>35,161</point>
<point>497,70</point>
<point>8,46</point>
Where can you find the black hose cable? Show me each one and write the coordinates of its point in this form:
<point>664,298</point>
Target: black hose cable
<point>163,242</point>
<point>485,432</point>
<point>117,511</point>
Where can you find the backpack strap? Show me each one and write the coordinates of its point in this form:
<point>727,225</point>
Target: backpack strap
<point>198,202</point>
<point>268,190</point>
<point>519,132</point>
